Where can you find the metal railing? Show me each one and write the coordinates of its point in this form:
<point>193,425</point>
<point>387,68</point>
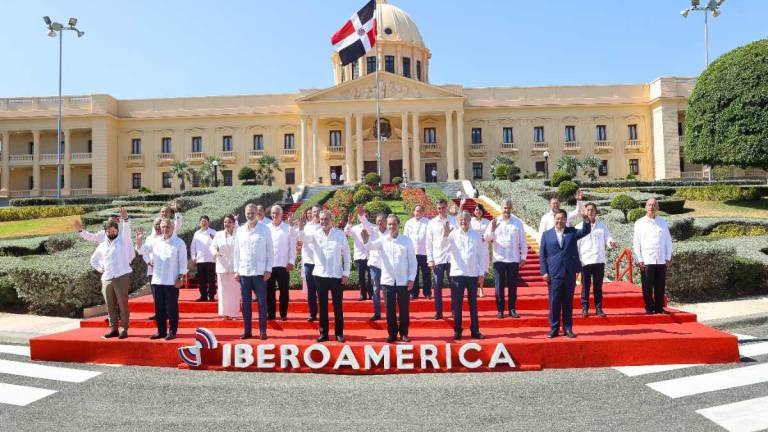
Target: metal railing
<point>626,253</point>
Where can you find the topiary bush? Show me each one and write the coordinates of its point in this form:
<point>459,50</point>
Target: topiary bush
<point>397,180</point>
<point>717,192</point>
<point>682,229</point>
<point>624,203</point>
<point>728,230</point>
<point>672,205</point>
<point>376,207</point>
<point>8,295</point>
<point>363,196</point>
<point>635,214</point>
<point>372,179</point>
<point>38,212</point>
<point>567,190</point>
<point>558,177</point>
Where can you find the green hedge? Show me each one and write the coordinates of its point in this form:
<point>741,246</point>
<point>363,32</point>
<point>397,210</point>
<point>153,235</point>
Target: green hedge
<point>317,199</point>
<point>435,193</point>
<point>672,205</point>
<point>47,201</point>
<point>666,183</point>
<point>37,212</point>
<point>718,192</point>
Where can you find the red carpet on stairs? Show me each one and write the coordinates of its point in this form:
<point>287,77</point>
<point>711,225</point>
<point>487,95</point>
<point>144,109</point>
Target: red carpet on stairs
<point>627,336</point>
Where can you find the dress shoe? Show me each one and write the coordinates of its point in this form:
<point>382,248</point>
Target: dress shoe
<point>322,338</point>
<point>390,339</point>
<point>269,318</point>
<point>201,299</point>
<point>599,312</point>
<point>113,333</point>
<point>152,318</point>
<point>211,299</point>
<point>406,338</point>
<point>311,319</point>
<point>123,334</point>
<point>663,311</point>
<point>478,335</point>
<point>584,312</point>
<point>429,297</point>
<point>457,336</point>
<point>361,298</point>
<point>500,315</point>
<point>552,334</point>
<point>283,318</point>
<point>245,336</point>
<point>570,334</point>
<point>438,316</point>
<point>374,318</point>
<point>340,338</point>
<point>263,336</point>
<point>649,312</point>
<point>157,336</point>
<point>513,313</point>
<point>171,336</point>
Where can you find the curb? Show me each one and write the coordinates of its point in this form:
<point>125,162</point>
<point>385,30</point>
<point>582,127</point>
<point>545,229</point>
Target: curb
<point>758,318</point>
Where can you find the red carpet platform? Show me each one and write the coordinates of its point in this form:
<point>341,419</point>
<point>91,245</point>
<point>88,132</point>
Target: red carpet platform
<point>627,336</point>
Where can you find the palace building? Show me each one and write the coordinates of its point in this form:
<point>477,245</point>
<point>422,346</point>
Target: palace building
<point>113,146</point>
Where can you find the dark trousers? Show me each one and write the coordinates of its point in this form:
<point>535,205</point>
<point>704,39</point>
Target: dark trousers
<point>592,274</point>
<point>334,286</point>
<point>166,308</point>
<point>397,297</point>
<point>506,277</point>
<point>311,289</point>
<point>363,278</point>
<point>206,278</point>
<point>248,285</point>
<point>280,278</point>
<point>654,282</point>
<point>422,269</point>
<point>460,283</point>
<point>437,284</point>
<point>561,302</point>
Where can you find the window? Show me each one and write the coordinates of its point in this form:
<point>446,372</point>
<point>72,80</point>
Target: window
<point>227,175</point>
<point>290,176</point>
<point>31,182</point>
<point>136,180</point>
<point>632,129</point>
<point>370,64</point>
<point>634,166</point>
<point>136,146</point>
<point>680,129</point>
<point>430,136</point>
<point>355,70</point>
<point>195,179</point>
<point>288,141</point>
<point>258,142</point>
<point>197,144</point>
<point>570,133</point>
<point>166,179</point>
<point>61,181</point>
<point>507,136</point>
<point>477,135</point>
<point>603,169</point>
<point>62,148</point>
<point>165,145</point>
<point>477,170</point>
<point>389,63</point>
<point>90,146</point>
<point>226,143</point>
<point>602,135</point>
<point>540,166</point>
<point>90,181</point>
<point>538,134</point>
<point>418,70</point>
<point>407,67</point>
<point>30,147</point>
<point>334,139</point>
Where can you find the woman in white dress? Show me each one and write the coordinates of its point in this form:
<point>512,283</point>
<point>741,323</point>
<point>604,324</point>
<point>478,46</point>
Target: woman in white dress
<point>479,224</point>
<point>223,247</point>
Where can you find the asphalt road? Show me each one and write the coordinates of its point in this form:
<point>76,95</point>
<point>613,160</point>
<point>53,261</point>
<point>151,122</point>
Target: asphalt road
<point>143,399</point>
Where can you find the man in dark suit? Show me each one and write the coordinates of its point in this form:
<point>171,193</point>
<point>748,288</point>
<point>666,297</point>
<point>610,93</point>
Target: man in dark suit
<point>559,256</point>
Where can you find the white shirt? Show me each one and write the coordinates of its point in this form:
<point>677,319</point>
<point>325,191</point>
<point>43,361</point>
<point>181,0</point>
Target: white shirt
<point>436,242</point>
<point>398,259</point>
<point>548,220</point>
<point>592,246</point>
<point>308,250</point>
<point>169,259</point>
<point>223,248</point>
<point>253,250</point>
<point>265,221</point>
<point>374,258</point>
<point>509,242</point>
<point>283,244</point>
<point>113,258</point>
<point>201,246</point>
<point>416,230</point>
<point>651,241</point>
<point>146,249</point>
<point>465,250</point>
<point>332,259</point>
<point>99,236</point>
<point>354,231</point>
<point>559,234</point>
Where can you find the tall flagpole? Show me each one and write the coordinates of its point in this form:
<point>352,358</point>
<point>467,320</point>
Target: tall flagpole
<point>378,95</point>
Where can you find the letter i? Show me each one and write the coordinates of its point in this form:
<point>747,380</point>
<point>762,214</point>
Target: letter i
<point>226,356</point>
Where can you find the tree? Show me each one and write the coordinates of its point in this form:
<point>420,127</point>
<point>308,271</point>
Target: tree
<point>267,165</point>
<point>512,172</point>
<point>247,174</point>
<point>727,118</point>
<point>589,166</point>
<point>569,164</point>
<point>623,203</point>
<point>567,190</point>
<point>206,170</point>
<point>558,177</point>
<point>181,171</point>
<point>500,172</point>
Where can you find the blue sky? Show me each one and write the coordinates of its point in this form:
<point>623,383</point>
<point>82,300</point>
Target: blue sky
<point>143,48</point>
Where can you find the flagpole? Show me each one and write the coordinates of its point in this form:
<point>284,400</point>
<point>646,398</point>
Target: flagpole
<point>378,95</point>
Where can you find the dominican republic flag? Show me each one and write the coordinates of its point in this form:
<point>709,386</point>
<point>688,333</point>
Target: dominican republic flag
<point>357,36</point>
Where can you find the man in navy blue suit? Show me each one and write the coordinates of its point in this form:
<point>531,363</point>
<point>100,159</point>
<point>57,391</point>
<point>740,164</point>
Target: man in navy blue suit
<point>559,256</point>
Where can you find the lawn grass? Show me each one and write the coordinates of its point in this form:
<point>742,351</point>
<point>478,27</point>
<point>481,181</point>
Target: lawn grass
<point>744,209</point>
<point>37,227</point>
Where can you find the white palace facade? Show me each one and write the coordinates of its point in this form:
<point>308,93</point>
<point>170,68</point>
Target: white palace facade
<point>113,146</point>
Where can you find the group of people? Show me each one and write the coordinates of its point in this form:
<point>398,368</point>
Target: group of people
<point>258,257</point>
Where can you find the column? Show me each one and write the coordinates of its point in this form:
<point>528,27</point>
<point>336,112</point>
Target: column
<point>462,150</point>
<point>406,158</point>
<point>36,163</point>
<point>303,146</point>
<point>449,145</point>
<point>66,157</point>
<point>5,188</point>
<point>348,167</point>
<point>359,147</point>
<point>314,148</point>
<point>415,174</point>
<point>665,145</point>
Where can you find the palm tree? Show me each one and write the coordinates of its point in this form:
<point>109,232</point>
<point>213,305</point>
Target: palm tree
<point>182,171</point>
<point>267,167</point>
<point>207,170</point>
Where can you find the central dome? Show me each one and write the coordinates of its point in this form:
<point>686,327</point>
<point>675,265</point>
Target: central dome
<point>397,26</point>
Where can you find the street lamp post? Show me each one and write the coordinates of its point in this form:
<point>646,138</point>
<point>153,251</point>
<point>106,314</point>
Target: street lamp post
<point>215,173</point>
<point>546,164</point>
<point>54,29</point>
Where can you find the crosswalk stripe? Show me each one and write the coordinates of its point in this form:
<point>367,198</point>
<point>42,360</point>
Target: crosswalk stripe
<point>744,416</point>
<point>46,372</point>
<point>21,395</point>
<point>704,383</point>
<point>15,349</point>
<point>742,337</point>
<point>755,349</point>
<point>633,371</point>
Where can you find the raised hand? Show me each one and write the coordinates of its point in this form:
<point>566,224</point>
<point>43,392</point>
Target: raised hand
<point>579,195</point>
<point>494,225</point>
<point>360,211</point>
<point>350,218</point>
<point>139,236</point>
<point>77,224</point>
<point>123,213</point>
<point>446,229</point>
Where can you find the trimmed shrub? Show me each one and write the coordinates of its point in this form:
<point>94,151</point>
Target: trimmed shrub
<point>416,196</point>
<point>37,212</point>
<point>376,207</point>
<point>567,190</point>
<point>624,204</point>
<point>635,214</point>
<point>317,199</point>
<point>672,205</point>
<point>435,193</point>
<point>558,177</point>
<point>246,173</point>
<point>185,204</point>
<point>728,230</point>
<point>23,247</point>
<point>363,196</point>
<point>668,183</point>
<point>46,201</point>
<point>372,179</point>
<point>61,242</point>
<point>397,180</point>
<point>682,229</point>
<point>8,295</point>
<point>717,192</point>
